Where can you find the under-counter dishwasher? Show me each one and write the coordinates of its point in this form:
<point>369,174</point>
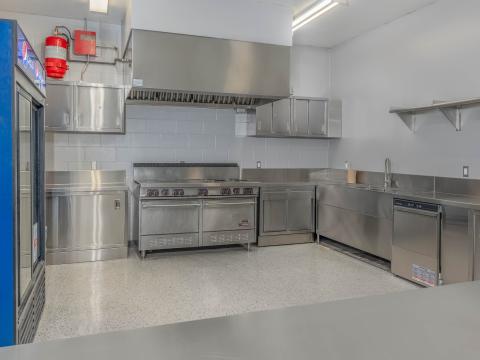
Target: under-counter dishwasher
<point>416,241</point>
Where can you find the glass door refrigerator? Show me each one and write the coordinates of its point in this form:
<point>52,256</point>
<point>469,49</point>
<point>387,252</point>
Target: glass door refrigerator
<point>22,197</point>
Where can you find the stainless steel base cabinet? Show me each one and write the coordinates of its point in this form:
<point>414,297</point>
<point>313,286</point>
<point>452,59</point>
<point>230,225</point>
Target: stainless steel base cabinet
<point>287,215</point>
<point>86,226</point>
<point>356,217</point>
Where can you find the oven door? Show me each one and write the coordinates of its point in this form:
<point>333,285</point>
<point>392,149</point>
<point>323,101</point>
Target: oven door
<point>160,217</point>
<point>229,214</point>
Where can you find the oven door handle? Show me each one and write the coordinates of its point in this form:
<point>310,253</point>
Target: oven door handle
<point>169,205</point>
<point>229,203</point>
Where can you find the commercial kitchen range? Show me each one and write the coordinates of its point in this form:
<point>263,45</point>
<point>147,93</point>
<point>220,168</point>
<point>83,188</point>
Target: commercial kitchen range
<point>188,205</point>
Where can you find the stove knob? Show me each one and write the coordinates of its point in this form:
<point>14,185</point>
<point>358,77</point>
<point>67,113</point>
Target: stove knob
<point>165,192</point>
<point>236,191</point>
<point>181,192</point>
<point>202,192</point>
<point>248,191</point>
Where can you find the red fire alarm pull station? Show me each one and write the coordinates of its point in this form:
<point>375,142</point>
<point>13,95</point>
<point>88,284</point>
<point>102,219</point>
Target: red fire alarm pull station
<point>85,42</point>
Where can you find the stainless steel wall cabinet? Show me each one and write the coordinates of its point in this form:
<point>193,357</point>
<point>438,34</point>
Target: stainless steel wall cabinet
<point>287,215</point>
<point>191,70</point>
<point>298,117</point>
<point>86,219</point>
<point>85,107</point>
<point>357,217</point>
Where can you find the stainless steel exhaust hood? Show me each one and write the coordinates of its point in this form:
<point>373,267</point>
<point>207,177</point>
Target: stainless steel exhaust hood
<point>176,69</point>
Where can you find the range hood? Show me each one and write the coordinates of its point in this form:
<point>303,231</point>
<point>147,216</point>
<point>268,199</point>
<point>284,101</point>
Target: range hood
<point>176,69</point>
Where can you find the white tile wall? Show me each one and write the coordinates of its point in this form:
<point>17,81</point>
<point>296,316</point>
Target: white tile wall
<point>180,134</point>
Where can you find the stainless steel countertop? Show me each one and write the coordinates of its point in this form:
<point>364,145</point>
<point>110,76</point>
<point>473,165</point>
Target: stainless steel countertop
<point>466,201</point>
<point>196,183</point>
<point>54,189</point>
<point>429,324</point>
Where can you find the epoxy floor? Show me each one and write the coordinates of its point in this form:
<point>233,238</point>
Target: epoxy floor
<point>97,297</point>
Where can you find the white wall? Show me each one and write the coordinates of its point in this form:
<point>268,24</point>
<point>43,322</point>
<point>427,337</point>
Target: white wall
<point>432,54</point>
<point>37,28</point>
<point>310,71</point>
<point>248,20</point>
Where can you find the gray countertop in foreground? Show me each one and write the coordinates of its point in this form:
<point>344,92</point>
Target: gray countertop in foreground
<point>436,324</point>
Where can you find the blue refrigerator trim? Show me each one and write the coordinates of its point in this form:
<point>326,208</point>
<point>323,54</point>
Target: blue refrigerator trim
<point>7,185</point>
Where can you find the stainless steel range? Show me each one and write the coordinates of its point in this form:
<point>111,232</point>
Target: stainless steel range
<point>193,205</point>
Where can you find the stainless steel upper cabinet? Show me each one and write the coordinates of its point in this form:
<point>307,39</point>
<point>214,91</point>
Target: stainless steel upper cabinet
<point>59,109</point>
<point>99,109</point>
<point>264,117</point>
<point>317,118</point>
<point>281,118</point>
<point>300,117</point>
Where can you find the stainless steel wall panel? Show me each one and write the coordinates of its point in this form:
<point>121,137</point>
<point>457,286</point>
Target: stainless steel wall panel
<point>367,233</point>
<point>457,245</point>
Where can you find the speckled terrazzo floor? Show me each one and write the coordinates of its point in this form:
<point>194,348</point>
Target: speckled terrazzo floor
<point>91,298</point>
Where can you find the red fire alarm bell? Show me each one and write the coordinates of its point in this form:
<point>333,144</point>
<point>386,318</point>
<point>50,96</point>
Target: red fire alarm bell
<point>85,43</point>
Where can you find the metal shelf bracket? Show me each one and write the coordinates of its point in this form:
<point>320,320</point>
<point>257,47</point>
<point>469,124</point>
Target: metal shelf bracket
<point>409,119</point>
<point>454,115</point>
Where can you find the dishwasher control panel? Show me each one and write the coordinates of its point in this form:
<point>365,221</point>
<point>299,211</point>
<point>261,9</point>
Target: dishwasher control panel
<point>418,205</point>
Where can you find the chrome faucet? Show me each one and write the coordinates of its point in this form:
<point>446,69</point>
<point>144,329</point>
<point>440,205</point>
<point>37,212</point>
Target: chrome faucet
<point>388,173</point>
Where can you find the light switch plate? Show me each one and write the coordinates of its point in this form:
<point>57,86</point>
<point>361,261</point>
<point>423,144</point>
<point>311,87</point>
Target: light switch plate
<point>466,171</point>
<point>259,164</point>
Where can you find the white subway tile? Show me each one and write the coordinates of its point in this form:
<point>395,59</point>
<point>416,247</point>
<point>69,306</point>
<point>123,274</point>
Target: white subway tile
<point>84,140</point>
<point>67,154</point>
<point>190,126</point>
<point>145,140</point>
<point>188,155</point>
<point>215,156</point>
<point>115,140</point>
<point>134,154</point>
<point>196,141</point>
<point>100,154</point>
<point>161,126</point>
<point>136,125</point>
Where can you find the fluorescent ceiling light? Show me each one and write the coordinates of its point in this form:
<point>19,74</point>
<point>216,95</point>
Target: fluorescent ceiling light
<point>100,6</point>
<point>313,12</point>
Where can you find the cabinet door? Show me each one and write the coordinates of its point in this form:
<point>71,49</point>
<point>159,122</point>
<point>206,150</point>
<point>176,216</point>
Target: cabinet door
<point>317,117</point>
<point>264,115</point>
<point>281,117</point>
<point>100,109</point>
<point>300,117</point>
<point>59,109</point>
<point>275,209</point>
<point>300,210</point>
<point>86,221</point>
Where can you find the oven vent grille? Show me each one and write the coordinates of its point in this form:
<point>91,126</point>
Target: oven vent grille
<point>165,97</point>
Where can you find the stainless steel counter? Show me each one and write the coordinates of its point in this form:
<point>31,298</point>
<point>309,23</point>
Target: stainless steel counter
<point>428,324</point>
<point>86,216</point>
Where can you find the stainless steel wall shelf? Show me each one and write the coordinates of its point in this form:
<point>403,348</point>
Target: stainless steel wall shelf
<point>452,110</point>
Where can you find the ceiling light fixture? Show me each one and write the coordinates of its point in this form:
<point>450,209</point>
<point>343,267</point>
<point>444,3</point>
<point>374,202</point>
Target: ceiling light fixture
<point>313,12</point>
<point>99,6</point>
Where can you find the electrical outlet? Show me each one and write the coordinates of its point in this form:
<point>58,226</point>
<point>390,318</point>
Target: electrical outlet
<point>259,164</point>
<point>466,171</point>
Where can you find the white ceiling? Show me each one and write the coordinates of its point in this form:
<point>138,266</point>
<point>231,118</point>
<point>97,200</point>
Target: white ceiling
<point>69,9</point>
<point>333,28</point>
<point>346,22</point>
